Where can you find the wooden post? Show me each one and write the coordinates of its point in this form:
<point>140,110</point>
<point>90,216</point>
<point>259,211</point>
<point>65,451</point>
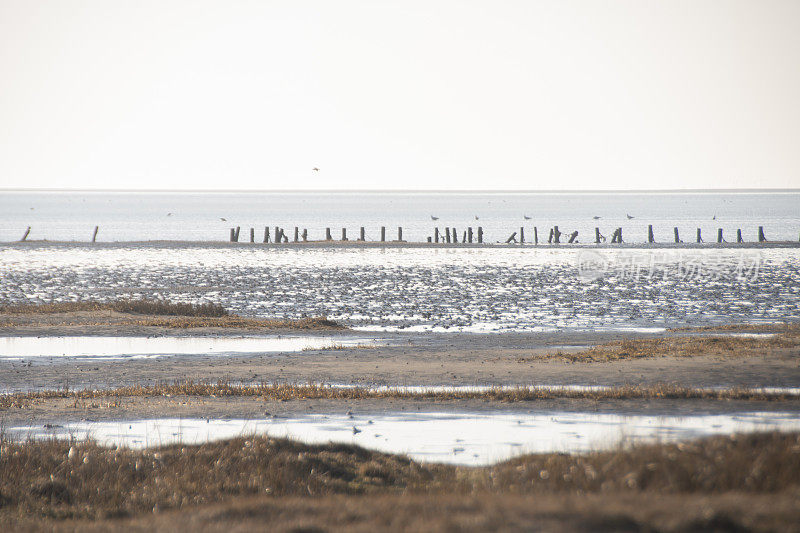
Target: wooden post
<point>328,234</point>
<point>550,238</point>
<point>480,234</point>
<point>512,238</point>
<point>761,237</point>
<point>650,238</point>
<point>383,233</point>
<point>362,236</point>
<point>400,233</point>
<point>28,231</point>
<point>535,235</point>
<point>699,237</point>
<point>296,234</point>
<point>278,232</point>
<point>238,229</point>
<point>469,234</point>
<point>677,236</point>
<point>522,235</point>
<point>429,240</point>
<point>233,235</point>
<point>285,237</point>
<point>573,236</point>
<point>436,235</point>
<point>305,235</point>
<point>464,236</point>
<point>344,234</point>
<point>455,235</point>
<point>719,235</point>
<point>252,234</point>
<point>447,234</point>
<point>556,235</point>
<point>597,235</point>
<point>739,236</point>
<point>266,233</point>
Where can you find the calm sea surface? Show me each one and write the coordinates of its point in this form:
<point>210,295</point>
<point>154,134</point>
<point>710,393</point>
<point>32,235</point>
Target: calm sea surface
<point>199,216</point>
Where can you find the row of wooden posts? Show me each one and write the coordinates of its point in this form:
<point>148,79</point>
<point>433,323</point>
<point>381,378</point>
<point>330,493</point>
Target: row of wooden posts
<point>451,235</point>
<point>279,234</point>
<point>28,232</point>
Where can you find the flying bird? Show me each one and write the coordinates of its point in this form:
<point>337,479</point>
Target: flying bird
<point>434,218</point>
<point>223,219</point>
<point>315,169</point>
<point>476,217</point>
<point>629,217</point>
<point>596,218</point>
<point>526,217</point>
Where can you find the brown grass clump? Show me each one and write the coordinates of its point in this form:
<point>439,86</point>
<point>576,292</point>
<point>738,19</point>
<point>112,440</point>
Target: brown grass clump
<point>287,391</point>
<point>147,313</point>
<point>139,307</point>
<point>57,480</point>
<point>688,346</point>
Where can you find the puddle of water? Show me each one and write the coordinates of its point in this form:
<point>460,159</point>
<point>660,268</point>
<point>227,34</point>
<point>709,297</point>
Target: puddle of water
<point>456,438</point>
<point>146,347</point>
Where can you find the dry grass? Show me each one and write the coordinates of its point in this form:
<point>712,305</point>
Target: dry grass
<point>146,313</point>
<point>139,307</point>
<point>286,392</point>
<point>688,346</point>
<point>59,480</point>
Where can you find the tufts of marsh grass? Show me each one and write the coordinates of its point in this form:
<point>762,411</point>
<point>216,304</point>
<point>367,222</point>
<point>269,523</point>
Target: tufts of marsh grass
<point>60,479</point>
<point>287,391</point>
<point>688,346</point>
<point>151,313</point>
<point>140,307</point>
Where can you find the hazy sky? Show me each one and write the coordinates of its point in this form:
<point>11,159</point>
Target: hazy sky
<point>562,94</point>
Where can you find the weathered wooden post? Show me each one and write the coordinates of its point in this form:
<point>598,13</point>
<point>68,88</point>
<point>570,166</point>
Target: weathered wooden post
<point>94,235</point>
<point>278,232</point>
<point>305,235</point>
<point>400,233</point>
<point>383,233</point>
<point>556,235</point>
<point>436,235</point>
<point>233,235</point>
<point>739,235</point>
<point>344,234</point>
<point>362,235</point>
<point>512,238</point>
<point>328,234</point>
<point>522,235</point>
<point>650,238</point>
<point>616,237</point>
<point>550,238</point>
<point>480,234</point>
<point>469,234</point>
<point>447,234</point>
<point>285,237</point>
<point>455,235</point>
<point>699,236</point>
<point>28,231</point>
<point>429,239</point>
<point>266,233</point>
<point>719,235</point>
<point>252,234</point>
<point>761,237</point>
<point>572,237</point>
<point>677,236</point>
<point>535,235</point>
<point>596,235</point>
<point>296,234</point>
<point>236,234</point>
